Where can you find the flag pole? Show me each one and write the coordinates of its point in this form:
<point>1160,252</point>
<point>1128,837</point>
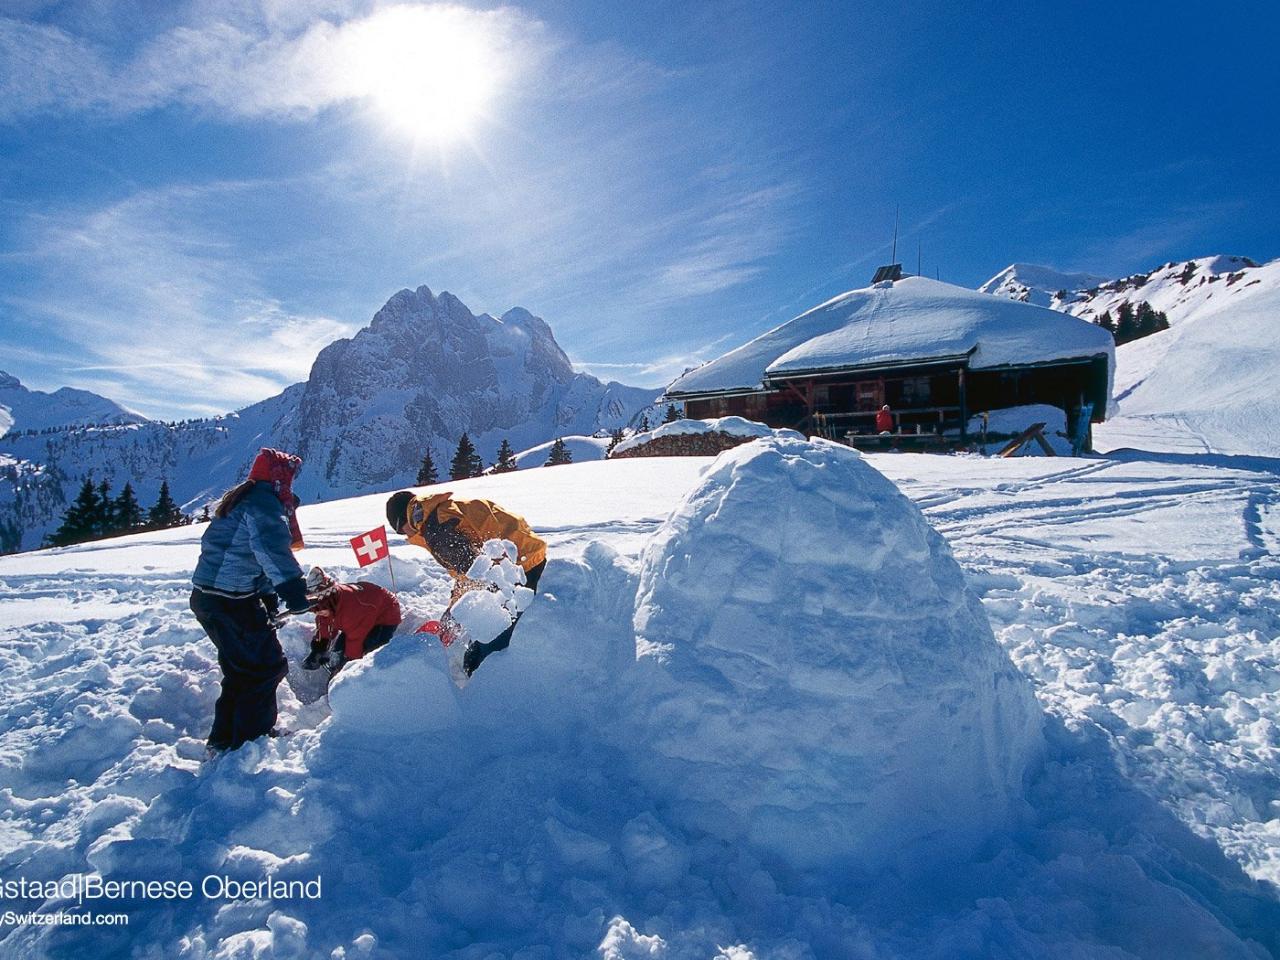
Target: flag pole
<point>391,569</point>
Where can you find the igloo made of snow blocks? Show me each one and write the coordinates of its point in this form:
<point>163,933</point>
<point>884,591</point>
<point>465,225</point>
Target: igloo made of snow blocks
<point>821,684</point>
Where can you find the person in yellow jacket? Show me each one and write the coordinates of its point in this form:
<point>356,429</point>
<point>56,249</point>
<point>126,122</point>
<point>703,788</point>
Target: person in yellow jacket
<point>453,530</point>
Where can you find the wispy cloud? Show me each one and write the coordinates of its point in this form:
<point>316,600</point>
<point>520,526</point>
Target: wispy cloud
<point>658,371</point>
<point>163,307</point>
<point>272,61</point>
<point>582,201</point>
<point>1157,239</point>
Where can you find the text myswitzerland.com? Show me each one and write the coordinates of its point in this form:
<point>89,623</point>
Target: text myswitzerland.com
<point>10,918</point>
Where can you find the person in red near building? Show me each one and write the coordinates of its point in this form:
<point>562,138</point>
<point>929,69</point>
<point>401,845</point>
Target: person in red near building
<point>352,619</point>
<point>884,420</point>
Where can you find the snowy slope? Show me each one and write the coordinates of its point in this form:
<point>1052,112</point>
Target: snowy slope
<point>24,409</point>
<point>531,815</point>
<point>1209,382</point>
<point>1031,283</point>
<point>916,319</point>
<point>581,449</point>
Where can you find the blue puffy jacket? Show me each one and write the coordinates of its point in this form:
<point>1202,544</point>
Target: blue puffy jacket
<point>248,552</point>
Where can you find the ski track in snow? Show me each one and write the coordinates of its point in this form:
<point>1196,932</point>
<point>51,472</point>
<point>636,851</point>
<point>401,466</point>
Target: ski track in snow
<point>1176,657</point>
<point>1141,595</point>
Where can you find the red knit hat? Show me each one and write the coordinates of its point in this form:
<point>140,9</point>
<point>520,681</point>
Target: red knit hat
<point>278,469</point>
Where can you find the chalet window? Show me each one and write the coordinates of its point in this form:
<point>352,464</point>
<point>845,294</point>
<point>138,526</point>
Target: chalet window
<point>915,391</point>
<point>869,394</point>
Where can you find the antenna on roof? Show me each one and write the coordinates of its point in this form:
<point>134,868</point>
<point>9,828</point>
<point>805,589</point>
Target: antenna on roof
<point>894,258</point>
<point>919,248</point>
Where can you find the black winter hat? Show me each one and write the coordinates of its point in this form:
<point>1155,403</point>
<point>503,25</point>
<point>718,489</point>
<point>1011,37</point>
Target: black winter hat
<point>397,507</point>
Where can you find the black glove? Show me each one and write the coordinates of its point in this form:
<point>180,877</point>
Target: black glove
<point>294,594</point>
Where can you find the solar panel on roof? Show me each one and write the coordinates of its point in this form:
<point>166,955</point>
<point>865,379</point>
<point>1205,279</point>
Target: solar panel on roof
<point>891,271</point>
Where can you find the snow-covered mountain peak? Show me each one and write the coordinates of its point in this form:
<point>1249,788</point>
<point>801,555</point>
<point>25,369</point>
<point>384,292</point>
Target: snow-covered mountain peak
<point>427,370</point>
<point>521,318</point>
<point>1032,283</point>
<point>8,381</point>
<point>1175,289</point>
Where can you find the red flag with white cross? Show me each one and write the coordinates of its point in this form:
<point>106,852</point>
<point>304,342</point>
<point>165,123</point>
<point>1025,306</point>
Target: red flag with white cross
<point>371,547</point>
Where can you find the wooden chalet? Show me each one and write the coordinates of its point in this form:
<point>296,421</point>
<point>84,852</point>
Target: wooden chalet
<point>937,354</point>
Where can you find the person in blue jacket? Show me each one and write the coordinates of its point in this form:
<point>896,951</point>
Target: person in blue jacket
<point>246,568</point>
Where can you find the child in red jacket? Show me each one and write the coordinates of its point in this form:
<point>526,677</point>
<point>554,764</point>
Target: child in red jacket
<point>352,619</point>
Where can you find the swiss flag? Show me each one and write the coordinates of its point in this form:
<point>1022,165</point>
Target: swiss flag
<point>370,547</point>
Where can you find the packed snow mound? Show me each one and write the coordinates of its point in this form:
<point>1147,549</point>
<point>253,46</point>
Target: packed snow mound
<point>731,426</point>
<point>825,688</point>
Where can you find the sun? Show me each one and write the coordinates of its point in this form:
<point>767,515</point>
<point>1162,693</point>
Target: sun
<point>429,72</point>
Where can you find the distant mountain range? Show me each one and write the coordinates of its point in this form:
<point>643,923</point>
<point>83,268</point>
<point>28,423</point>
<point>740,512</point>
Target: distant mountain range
<point>23,409</point>
<point>1174,289</point>
<point>425,371</point>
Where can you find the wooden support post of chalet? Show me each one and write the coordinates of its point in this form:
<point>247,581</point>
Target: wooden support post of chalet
<point>806,398</point>
<point>964,409</point>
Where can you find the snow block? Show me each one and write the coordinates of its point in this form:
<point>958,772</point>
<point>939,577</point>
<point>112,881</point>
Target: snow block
<point>820,682</point>
<point>400,690</point>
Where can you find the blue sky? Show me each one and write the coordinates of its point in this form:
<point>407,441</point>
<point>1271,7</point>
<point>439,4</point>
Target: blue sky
<point>196,196</point>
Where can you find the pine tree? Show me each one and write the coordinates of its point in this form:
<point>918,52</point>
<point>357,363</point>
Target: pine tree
<point>1106,323</point>
<point>672,414</point>
<point>105,522</point>
<point>466,462</point>
<point>506,461</point>
<point>560,455</point>
<point>427,474</point>
<point>81,518</point>
<point>1125,328</point>
<point>165,513</point>
<point>1148,321</point>
<point>126,513</point>
<point>644,424</point>
<point>615,438</point>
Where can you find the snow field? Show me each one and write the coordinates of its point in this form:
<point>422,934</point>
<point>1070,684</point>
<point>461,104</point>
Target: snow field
<point>529,815</point>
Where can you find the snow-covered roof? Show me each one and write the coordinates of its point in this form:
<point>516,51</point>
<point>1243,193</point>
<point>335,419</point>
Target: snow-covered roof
<point>911,321</point>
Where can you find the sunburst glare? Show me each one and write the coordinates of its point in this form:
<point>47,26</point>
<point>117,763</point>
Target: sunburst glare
<point>430,72</point>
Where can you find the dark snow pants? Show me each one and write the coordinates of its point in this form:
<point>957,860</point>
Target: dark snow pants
<point>476,652</point>
<point>252,666</point>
